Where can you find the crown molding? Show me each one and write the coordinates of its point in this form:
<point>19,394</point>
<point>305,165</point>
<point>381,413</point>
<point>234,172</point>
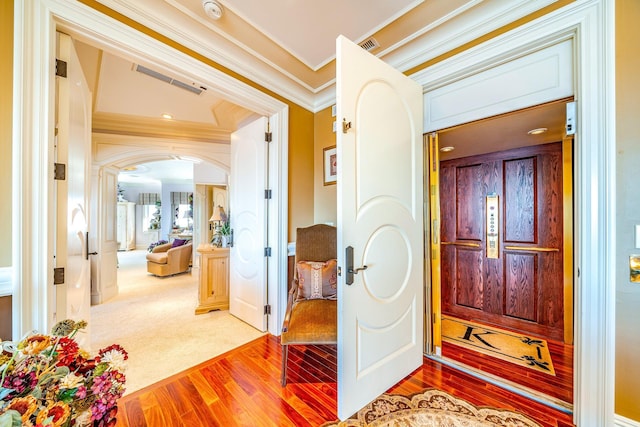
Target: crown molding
<point>216,48</point>
<point>463,25</point>
<point>120,124</point>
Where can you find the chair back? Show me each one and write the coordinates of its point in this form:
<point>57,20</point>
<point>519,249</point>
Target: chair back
<point>315,243</point>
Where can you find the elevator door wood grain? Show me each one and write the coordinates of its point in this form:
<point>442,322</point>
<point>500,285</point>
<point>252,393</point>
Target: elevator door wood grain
<point>521,289</point>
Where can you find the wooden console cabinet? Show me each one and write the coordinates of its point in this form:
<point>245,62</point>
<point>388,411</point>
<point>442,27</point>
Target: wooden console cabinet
<point>213,292</point>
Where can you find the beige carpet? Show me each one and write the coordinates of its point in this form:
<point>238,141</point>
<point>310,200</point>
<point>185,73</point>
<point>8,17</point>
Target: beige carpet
<point>431,408</point>
<point>153,319</point>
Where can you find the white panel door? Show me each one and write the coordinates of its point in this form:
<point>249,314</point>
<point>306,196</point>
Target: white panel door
<point>380,215</point>
<point>247,284</point>
<point>73,118</point>
<point>104,273</point>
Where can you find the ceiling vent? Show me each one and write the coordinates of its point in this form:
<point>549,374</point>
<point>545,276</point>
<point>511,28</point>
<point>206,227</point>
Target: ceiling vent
<point>177,83</point>
<point>369,44</point>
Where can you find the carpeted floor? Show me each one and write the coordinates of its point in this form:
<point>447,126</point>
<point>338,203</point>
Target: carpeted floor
<point>431,408</point>
<point>154,320</point>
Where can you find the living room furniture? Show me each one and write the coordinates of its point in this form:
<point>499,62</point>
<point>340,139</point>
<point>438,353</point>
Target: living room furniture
<point>168,259</point>
<point>312,320</point>
<point>213,290</point>
<point>126,226</point>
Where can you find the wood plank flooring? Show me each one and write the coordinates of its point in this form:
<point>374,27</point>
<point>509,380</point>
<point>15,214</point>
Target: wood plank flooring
<point>559,386</point>
<point>242,388</point>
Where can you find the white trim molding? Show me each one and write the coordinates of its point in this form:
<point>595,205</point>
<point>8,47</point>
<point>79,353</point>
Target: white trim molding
<point>35,25</point>
<point>625,422</point>
<point>590,26</point>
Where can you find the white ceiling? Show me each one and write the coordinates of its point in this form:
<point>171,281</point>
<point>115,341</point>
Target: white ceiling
<point>165,172</point>
<point>287,46</point>
<point>308,29</point>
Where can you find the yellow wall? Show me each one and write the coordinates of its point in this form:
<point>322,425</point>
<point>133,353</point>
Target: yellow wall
<point>324,200</point>
<point>628,206</point>
<point>6,91</point>
<point>300,170</point>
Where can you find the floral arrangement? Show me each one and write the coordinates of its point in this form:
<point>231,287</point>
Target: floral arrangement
<point>47,380</point>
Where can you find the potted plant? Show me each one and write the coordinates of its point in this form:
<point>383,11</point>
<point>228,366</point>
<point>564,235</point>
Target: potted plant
<point>225,234</point>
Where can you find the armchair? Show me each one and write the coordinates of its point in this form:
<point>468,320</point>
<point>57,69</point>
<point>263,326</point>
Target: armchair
<point>311,314</point>
<point>165,260</point>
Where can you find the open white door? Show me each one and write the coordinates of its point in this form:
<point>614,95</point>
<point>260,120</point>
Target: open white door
<point>380,216</point>
<point>73,149</point>
<point>247,210</point>
<point>103,236</point>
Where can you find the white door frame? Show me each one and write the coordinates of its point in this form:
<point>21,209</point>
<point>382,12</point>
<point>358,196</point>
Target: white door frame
<point>590,25</point>
<point>33,121</point>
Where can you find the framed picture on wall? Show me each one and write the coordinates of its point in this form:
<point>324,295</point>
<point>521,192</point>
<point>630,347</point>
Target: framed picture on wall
<point>330,166</point>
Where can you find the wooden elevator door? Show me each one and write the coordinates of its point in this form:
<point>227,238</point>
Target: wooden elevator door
<point>521,288</point>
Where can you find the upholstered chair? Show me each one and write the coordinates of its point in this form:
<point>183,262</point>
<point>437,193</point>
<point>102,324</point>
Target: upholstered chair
<point>311,314</point>
<point>167,260</point>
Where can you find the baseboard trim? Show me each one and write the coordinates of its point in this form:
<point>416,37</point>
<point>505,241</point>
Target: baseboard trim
<point>625,422</point>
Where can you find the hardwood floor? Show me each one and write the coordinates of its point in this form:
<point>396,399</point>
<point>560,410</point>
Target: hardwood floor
<point>558,387</point>
<point>242,388</point>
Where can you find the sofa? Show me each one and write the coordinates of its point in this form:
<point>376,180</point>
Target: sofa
<point>170,258</point>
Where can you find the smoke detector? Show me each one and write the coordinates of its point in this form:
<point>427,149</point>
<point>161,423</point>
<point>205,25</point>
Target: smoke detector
<point>212,8</point>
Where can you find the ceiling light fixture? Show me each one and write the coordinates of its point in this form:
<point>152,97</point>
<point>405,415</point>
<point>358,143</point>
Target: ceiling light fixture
<point>212,9</point>
<point>537,131</point>
<point>167,116</point>
<point>447,149</point>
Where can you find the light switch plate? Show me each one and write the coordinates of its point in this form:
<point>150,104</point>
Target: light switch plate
<point>638,236</point>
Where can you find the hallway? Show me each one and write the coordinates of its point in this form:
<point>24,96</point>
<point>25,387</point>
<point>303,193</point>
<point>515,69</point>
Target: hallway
<point>154,320</point>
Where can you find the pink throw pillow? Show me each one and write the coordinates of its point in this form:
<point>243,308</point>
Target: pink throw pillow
<point>317,280</point>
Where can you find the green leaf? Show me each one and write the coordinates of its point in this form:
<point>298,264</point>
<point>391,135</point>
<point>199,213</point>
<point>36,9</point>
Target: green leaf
<point>10,418</point>
<point>67,395</point>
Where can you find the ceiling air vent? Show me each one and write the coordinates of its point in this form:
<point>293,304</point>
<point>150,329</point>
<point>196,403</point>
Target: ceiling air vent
<point>369,44</point>
<point>156,75</point>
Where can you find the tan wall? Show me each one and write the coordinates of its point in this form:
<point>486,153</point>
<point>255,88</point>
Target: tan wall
<point>300,169</point>
<point>628,206</point>
<point>6,105</point>
<point>324,200</point>
<point>5,319</point>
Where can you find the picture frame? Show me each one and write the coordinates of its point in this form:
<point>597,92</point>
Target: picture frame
<point>330,165</point>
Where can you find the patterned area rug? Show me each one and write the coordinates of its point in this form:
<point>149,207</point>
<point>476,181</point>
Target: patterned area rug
<point>431,408</point>
<point>509,346</point>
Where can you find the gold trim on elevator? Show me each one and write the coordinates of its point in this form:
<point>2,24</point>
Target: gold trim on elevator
<point>567,225</point>
<point>434,216</point>
<point>531,249</point>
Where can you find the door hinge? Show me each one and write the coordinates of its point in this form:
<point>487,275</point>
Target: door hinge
<point>59,171</point>
<point>58,276</point>
<point>268,136</point>
<point>61,68</point>
<point>267,251</point>
<point>267,194</point>
<point>267,309</point>
<point>345,125</point>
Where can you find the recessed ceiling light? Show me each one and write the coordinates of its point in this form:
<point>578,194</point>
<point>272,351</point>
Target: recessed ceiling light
<point>537,131</point>
<point>447,149</point>
<point>167,116</point>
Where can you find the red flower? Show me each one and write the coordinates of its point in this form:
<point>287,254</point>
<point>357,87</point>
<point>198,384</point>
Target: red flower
<point>67,351</point>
